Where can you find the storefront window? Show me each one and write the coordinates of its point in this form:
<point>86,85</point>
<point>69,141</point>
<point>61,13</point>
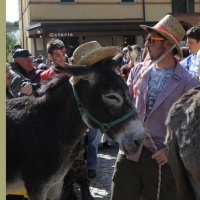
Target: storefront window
<point>127,1</point>
<point>182,6</point>
<point>66,1</point>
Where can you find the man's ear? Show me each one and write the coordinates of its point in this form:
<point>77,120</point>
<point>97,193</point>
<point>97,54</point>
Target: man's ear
<point>17,59</point>
<point>50,56</point>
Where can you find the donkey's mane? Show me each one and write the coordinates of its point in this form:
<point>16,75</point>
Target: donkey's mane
<point>54,83</point>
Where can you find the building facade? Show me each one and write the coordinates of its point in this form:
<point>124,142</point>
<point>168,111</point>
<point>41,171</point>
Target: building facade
<point>110,22</point>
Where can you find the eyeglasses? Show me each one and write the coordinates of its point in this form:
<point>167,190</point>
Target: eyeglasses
<point>57,51</point>
<point>150,40</point>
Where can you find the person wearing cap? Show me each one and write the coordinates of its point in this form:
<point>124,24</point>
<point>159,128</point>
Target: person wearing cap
<point>23,63</point>
<point>154,88</point>
<point>25,89</point>
<point>193,43</point>
<point>36,62</point>
<point>16,46</point>
<point>34,74</point>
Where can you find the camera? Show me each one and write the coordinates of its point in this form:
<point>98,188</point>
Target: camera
<point>35,86</point>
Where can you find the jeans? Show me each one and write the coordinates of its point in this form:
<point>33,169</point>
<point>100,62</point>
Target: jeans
<point>92,149</point>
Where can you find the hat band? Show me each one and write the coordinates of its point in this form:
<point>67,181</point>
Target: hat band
<point>159,26</point>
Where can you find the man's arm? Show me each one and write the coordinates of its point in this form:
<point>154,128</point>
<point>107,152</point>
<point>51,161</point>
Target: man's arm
<point>16,83</point>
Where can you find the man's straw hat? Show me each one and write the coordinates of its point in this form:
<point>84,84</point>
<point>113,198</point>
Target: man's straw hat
<point>170,28</point>
<point>92,52</point>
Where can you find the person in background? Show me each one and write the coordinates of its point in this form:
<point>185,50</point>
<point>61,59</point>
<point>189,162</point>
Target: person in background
<point>25,89</point>
<point>163,84</point>
<point>193,43</point>
<point>23,63</point>
<point>41,57</point>
<point>42,66</point>
<point>91,146</point>
<point>34,74</point>
<point>125,58</point>
<point>49,62</point>
<point>56,53</point>
<point>16,46</point>
<point>134,57</point>
<point>36,62</point>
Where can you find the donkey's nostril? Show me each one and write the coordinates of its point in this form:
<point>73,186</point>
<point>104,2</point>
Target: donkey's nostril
<point>136,143</point>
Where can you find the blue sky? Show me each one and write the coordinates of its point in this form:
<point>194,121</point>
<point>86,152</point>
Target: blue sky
<point>12,10</point>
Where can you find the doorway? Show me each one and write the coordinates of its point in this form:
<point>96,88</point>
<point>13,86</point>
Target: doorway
<point>71,43</point>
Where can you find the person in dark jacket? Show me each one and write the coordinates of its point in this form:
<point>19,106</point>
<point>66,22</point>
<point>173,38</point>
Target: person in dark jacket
<point>23,63</point>
<point>25,90</point>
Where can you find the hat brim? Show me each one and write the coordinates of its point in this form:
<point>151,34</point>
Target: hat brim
<point>23,57</point>
<point>99,54</point>
<point>165,35</point>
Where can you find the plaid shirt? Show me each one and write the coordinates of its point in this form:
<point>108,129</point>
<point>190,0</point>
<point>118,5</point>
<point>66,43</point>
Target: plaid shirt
<point>190,63</point>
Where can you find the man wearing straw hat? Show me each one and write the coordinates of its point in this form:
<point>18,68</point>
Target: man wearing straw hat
<point>154,87</point>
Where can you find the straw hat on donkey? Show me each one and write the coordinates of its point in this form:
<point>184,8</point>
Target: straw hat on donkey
<point>170,28</point>
<point>91,53</point>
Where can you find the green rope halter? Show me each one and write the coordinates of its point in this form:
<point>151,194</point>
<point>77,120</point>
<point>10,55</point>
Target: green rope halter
<point>104,126</point>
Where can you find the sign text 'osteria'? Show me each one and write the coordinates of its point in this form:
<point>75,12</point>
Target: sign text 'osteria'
<point>60,34</point>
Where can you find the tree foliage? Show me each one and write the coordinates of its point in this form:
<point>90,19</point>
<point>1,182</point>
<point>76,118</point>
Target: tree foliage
<point>12,26</point>
<point>12,38</point>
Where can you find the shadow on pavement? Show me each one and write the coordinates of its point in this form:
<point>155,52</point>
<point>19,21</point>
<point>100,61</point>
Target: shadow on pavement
<point>100,187</point>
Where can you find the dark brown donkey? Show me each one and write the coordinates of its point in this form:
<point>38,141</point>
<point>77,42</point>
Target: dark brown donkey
<point>183,144</point>
<point>42,133</point>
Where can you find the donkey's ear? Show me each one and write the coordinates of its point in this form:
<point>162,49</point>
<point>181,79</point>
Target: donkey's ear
<point>79,71</point>
<point>116,61</point>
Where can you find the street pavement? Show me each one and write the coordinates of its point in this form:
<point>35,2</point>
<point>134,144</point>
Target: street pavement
<point>100,187</point>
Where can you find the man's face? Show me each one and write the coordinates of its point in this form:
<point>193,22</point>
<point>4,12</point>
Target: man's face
<point>193,45</point>
<point>155,46</point>
<point>58,57</point>
<point>26,63</point>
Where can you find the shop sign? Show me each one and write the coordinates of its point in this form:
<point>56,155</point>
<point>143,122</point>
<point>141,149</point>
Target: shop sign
<point>60,34</point>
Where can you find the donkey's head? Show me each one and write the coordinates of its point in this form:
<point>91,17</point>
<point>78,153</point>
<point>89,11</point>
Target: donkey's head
<point>105,96</point>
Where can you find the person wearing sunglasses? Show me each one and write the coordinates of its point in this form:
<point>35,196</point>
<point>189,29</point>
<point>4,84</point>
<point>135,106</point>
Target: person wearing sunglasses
<point>193,43</point>
<point>154,87</point>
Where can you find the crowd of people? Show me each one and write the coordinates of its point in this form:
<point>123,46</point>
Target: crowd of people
<point>157,76</point>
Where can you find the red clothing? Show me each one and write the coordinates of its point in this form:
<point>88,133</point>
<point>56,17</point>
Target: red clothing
<point>126,70</point>
<point>49,73</point>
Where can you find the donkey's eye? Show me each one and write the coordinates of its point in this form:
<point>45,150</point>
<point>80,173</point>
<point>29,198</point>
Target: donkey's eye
<point>113,100</point>
<point>112,97</point>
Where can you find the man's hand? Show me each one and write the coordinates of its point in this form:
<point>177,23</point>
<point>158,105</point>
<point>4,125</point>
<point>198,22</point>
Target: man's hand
<point>160,156</point>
